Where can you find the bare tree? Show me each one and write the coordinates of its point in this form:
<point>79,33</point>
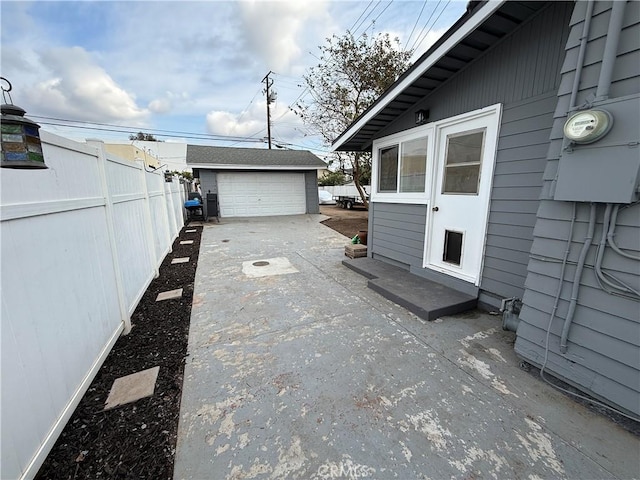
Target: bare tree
<point>350,75</point>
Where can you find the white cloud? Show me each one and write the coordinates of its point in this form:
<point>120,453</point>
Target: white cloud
<point>275,29</point>
<point>166,103</point>
<point>431,38</point>
<point>285,125</point>
<point>75,87</point>
<point>227,123</point>
<point>132,62</point>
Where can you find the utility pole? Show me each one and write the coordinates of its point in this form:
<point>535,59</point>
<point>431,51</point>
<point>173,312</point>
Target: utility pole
<point>270,99</point>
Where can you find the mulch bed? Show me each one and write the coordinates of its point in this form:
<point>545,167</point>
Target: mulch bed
<point>136,440</point>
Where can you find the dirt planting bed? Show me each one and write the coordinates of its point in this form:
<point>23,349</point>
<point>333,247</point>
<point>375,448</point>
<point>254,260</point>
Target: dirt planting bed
<point>347,222</point>
<point>136,440</point>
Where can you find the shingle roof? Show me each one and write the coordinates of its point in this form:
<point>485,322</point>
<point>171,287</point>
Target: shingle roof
<point>230,156</point>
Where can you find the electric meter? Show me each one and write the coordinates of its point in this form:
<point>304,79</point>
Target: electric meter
<point>588,126</point>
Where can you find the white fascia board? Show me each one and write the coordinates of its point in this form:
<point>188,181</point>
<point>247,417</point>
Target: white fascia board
<point>474,22</point>
<point>226,166</point>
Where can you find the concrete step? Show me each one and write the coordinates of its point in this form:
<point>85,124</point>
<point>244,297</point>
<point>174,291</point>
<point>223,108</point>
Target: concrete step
<point>428,300</point>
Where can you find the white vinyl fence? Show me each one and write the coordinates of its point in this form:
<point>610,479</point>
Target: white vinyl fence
<point>80,243</point>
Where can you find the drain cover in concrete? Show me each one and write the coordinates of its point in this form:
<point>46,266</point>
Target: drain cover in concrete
<point>267,267</point>
<point>186,242</point>
<point>180,260</point>
<point>169,295</point>
<point>132,387</point>
<point>190,231</point>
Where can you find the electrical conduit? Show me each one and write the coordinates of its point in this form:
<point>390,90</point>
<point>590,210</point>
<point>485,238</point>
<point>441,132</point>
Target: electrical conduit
<point>611,234</point>
<point>610,49</point>
<point>576,279</point>
<point>581,52</point>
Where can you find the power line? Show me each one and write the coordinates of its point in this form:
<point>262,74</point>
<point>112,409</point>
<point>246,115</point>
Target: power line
<point>424,4</point>
<point>425,25</point>
<point>354,27</point>
<point>246,109</point>
<point>130,130</point>
<point>433,24</point>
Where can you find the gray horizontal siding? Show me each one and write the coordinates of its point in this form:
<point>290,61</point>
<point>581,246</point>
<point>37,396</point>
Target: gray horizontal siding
<point>603,357</point>
<point>522,72</point>
<point>520,162</point>
<point>397,232</point>
<point>523,65</point>
<point>208,182</point>
<point>599,385</point>
<point>311,191</point>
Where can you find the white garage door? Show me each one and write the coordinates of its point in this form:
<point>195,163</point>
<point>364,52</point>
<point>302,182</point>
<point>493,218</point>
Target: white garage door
<point>260,194</point>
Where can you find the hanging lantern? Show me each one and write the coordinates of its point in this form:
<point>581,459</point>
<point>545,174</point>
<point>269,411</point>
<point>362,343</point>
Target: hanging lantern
<point>20,145</point>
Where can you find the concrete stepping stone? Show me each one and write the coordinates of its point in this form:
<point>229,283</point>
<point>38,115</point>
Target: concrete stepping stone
<point>190,231</point>
<point>177,293</point>
<point>186,242</point>
<point>132,387</point>
<point>180,260</point>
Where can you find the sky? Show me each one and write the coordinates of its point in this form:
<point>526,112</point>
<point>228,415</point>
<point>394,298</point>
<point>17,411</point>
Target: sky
<point>189,71</point>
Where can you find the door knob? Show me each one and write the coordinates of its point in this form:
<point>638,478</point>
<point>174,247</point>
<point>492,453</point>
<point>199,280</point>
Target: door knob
<point>435,209</point>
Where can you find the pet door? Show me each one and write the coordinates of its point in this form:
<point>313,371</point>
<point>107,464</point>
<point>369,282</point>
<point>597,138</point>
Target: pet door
<point>452,247</point>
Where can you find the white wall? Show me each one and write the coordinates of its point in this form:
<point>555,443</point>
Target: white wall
<point>80,243</point>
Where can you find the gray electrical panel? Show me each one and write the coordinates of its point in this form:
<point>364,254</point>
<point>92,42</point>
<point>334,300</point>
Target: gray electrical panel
<point>608,170</point>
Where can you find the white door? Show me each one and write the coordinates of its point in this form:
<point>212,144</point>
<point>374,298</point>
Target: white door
<point>458,213</point>
<point>254,194</point>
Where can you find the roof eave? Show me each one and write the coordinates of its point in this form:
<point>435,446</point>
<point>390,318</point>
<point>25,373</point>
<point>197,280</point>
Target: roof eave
<point>227,166</point>
<point>474,20</point>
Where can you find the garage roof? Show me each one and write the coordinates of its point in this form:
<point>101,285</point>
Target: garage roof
<point>481,27</point>
<point>202,156</point>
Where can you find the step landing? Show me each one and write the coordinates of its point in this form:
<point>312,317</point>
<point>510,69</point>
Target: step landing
<point>426,299</point>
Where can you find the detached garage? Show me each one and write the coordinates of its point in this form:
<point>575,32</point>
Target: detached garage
<point>251,182</point>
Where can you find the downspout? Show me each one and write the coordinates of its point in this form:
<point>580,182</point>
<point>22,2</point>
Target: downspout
<point>576,279</point>
<point>610,50</point>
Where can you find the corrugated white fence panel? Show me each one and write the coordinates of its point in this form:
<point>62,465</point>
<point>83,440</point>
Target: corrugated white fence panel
<point>134,255</point>
<point>162,237</point>
<point>171,216</point>
<point>72,174</point>
<point>177,200</point>
<point>61,312</point>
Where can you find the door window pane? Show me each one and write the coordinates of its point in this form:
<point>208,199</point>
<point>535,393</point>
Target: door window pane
<point>388,172</point>
<point>462,165</point>
<point>413,164</point>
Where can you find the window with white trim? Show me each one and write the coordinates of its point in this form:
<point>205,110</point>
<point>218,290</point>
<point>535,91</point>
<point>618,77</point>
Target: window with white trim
<point>402,166</point>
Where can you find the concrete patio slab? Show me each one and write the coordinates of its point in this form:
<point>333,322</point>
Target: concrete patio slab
<point>169,295</point>
<point>132,387</point>
<point>314,375</point>
<point>180,260</point>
